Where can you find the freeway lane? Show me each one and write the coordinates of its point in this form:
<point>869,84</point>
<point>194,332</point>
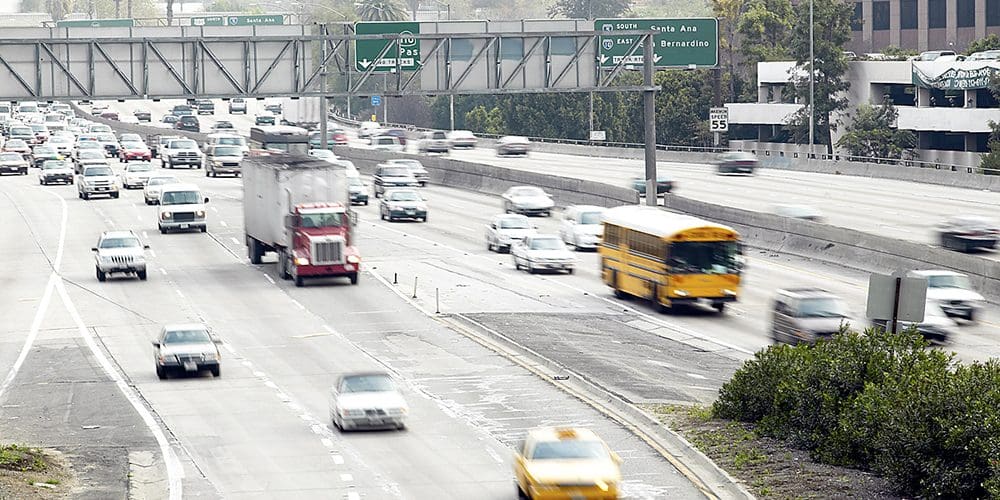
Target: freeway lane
<point>261,430</point>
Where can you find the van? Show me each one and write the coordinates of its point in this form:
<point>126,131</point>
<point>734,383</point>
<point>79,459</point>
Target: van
<point>805,315</point>
<point>181,207</point>
<point>224,139</point>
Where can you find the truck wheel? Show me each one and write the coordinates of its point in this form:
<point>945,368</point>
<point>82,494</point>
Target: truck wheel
<point>254,251</point>
<point>161,373</point>
<point>206,173</point>
<point>283,265</point>
<point>217,371</point>
<point>354,278</point>
<point>101,275</point>
<point>299,281</point>
<point>141,274</point>
<point>115,195</point>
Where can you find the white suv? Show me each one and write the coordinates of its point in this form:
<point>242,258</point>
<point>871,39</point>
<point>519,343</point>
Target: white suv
<point>119,252</point>
<point>181,207</point>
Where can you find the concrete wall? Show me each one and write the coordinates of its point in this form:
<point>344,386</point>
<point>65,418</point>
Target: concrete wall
<point>847,247</point>
<point>495,180</point>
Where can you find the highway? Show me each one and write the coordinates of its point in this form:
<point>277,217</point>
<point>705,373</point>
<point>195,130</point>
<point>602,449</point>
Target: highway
<point>260,431</point>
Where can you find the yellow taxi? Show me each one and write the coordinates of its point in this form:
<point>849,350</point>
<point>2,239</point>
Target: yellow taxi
<point>566,464</point>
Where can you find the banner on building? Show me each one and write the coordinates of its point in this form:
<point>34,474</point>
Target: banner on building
<point>953,75</point>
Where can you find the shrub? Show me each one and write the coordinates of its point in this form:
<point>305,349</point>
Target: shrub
<point>878,401</point>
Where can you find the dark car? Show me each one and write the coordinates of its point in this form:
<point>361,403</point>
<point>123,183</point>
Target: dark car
<point>273,108</point>
<point>965,233</point>
<point>737,162</point>
<point>182,110</point>
<point>397,133</point>
<point>205,106</point>
<point>143,115</point>
<point>42,153</point>
<point>263,120</point>
<point>664,184</point>
<point>188,123</point>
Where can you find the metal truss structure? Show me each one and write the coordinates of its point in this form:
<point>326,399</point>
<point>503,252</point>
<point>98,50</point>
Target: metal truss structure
<point>289,66</point>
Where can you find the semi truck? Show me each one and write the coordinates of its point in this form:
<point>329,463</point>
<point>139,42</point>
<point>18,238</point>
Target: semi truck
<point>302,112</point>
<point>298,207</point>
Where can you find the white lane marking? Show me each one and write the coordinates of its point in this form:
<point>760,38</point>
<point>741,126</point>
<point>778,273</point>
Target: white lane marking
<point>699,377</point>
<point>215,209</point>
<point>338,459</point>
<point>175,471</point>
<point>152,253</point>
<point>653,319</point>
<point>327,442</point>
<point>494,454</point>
<point>346,477</point>
<point>269,278</point>
<point>298,304</point>
<point>223,223</point>
<point>353,495</point>
<point>145,235</point>
<point>181,295</point>
<point>164,271</point>
<point>235,241</point>
<point>36,323</point>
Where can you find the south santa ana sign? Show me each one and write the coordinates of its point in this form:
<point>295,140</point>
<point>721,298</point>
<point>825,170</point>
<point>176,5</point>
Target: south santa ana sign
<point>682,42</point>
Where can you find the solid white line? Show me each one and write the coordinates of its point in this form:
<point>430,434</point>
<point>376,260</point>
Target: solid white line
<point>298,304</point>
<point>268,278</point>
<point>175,471</point>
<point>32,334</point>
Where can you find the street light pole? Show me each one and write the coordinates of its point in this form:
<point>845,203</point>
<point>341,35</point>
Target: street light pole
<point>812,81</point>
<point>322,98</point>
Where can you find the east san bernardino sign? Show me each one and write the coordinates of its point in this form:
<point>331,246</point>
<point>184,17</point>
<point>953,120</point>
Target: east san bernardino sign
<point>682,42</point>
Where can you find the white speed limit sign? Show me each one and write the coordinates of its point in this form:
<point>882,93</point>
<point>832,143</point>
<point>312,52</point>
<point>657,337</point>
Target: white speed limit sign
<point>718,120</point>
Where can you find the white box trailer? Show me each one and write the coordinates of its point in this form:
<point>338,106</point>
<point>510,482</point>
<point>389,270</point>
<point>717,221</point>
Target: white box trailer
<point>303,112</point>
<point>299,207</point>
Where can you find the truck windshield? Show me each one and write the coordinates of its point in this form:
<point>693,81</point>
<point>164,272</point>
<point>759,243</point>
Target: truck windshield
<point>324,219</point>
<point>180,198</point>
<point>228,151</point>
<point>97,172</point>
<point>183,145</point>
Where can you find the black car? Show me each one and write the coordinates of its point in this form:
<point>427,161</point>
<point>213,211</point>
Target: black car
<point>263,120</point>
<point>143,115</point>
<point>397,133</point>
<point>737,162</point>
<point>188,123</point>
<point>182,110</point>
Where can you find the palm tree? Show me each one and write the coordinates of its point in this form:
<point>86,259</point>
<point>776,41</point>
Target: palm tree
<point>381,10</point>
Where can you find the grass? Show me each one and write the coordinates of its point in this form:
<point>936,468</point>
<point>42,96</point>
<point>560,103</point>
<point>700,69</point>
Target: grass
<point>21,458</point>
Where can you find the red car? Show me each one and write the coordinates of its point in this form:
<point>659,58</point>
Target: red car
<point>130,151</point>
<point>339,137</point>
<point>18,146</point>
<point>110,115</point>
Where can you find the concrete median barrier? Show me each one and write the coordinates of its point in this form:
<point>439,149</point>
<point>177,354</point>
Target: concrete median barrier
<point>488,179</point>
<point>847,247</point>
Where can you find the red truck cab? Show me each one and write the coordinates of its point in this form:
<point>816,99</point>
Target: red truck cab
<point>323,242</point>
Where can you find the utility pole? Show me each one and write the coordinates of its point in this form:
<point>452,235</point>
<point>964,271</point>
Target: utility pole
<point>812,82</point>
<point>451,110</point>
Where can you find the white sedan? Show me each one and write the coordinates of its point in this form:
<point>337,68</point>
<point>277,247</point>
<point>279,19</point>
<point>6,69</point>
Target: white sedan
<point>504,230</point>
<point>542,252</point>
<point>154,185</point>
<point>527,200</point>
<point>367,400</point>
<point>581,226</point>
<point>136,174</point>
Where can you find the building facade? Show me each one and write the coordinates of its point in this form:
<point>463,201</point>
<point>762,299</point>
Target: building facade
<point>947,104</point>
<point>922,24</point>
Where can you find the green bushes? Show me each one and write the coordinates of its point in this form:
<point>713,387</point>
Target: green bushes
<point>880,402</point>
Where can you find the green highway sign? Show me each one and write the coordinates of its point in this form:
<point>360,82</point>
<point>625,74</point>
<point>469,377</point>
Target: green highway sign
<point>367,50</point>
<point>682,42</point>
<point>96,23</point>
<point>208,21</point>
<point>268,20</point>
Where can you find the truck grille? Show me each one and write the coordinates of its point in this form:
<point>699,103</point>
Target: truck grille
<point>328,252</point>
<point>183,216</point>
<point>186,154</point>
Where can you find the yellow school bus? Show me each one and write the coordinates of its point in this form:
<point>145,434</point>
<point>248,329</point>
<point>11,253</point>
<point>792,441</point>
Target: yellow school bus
<point>670,258</point>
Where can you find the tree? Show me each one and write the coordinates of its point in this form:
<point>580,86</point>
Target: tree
<point>832,31</point>
<point>590,9</point>
<point>483,121</point>
<point>873,133</point>
<point>990,163</point>
<point>381,10</point>
<point>989,42</point>
<point>764,29</point>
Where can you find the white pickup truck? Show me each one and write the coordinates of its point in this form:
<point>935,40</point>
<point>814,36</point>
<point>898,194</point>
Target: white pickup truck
<point>181,152</point>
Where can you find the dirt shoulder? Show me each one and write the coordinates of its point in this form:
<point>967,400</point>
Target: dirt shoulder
<point>34,473</point>
<point>769,468</point>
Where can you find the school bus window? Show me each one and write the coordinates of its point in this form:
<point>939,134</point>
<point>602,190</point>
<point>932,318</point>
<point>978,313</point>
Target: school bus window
<point>611,235</point>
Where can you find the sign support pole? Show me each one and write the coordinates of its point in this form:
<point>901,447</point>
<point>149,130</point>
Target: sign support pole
<point>649,116</point>
<point>322,97</point>
<point>895,303</point>
<point>451,110</point>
